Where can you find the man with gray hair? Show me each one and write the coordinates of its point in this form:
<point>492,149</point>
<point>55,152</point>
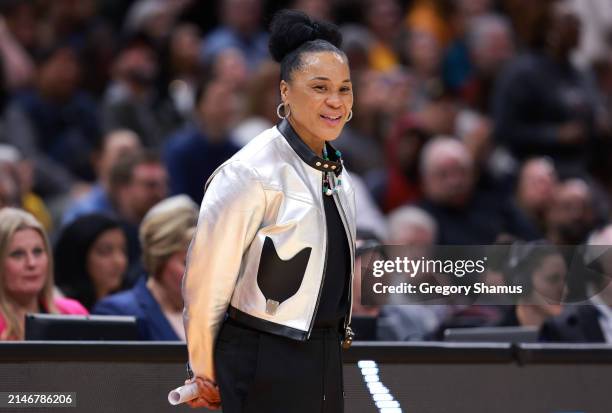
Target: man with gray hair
<point>490,41</point>
<point>490,44</point>
<point>464,215</point>
<point>411,226</point>
<point>414,228</point>
<point>473,61</point>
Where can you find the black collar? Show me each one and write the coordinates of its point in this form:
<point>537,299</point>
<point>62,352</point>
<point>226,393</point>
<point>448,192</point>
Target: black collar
<point>306,154</point>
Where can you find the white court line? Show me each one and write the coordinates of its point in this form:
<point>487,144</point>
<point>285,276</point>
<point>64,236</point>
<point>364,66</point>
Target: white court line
<point>381,396</point>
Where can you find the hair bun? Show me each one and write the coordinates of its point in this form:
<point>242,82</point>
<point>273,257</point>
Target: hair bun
<point>291,28</point>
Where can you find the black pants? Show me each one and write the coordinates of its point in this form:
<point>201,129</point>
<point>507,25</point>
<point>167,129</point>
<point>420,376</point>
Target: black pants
<point>263,373</point>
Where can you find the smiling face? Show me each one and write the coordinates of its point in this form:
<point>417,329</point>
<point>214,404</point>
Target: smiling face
<point>319,96</point>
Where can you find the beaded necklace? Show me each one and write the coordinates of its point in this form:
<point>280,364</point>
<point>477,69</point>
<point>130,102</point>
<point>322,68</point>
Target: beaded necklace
<point>328,188</point>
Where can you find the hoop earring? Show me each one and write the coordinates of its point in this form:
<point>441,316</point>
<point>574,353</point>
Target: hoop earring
<point>350,116</point>
<point>287,113</point>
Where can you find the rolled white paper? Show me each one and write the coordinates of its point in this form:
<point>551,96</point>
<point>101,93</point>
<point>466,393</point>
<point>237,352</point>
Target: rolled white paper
<point>183,394</point>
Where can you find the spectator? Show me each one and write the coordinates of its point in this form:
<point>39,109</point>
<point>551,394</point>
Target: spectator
<point>26,274</point>
<point>62,127</point>
<point>362,139</point>
<point>114,145</point>
<point>602,159</point>
<point>470,9</point>
<point>464,216</point>
<point>9,194</point>
<point>370,218</point>
<point>590,321</point>
<point>528,19</point>
<point>183,69</point>
<point>536,187</point>
<point>496,168</point>
<point>422,55</point>
<point>413,232</point>
<point>15,127</point>
<point>154,18</point>
<point>18,65</point>
<point>261,100</point>
<point>131,100</point>
<point>192,154</point>
<point>411,226</point>
<point>439,116</point>
<point>542,105</point>
<point>22,22</point>
<point>137,182</point>
<point>356,42</point>
<point>457,62</point>
<point>570,216</point>
<point>490,46</point>
<point>156,301</point>
<point>230,67</point>
<point>541,271</point>
<point>240,29</point>
<point>403,148</point>
<point>19,173</point>
<point>382,17</point>
<point>365,317</point>
<point>91,258</point>
<point>433,16</point>
<point>596,19</point>
<point>78,24</point>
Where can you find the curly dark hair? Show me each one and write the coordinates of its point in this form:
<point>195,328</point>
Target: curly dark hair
<point>293,33</point>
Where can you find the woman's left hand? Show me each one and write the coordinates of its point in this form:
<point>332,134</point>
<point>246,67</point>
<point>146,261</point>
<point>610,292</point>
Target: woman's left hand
<point>209,395</point>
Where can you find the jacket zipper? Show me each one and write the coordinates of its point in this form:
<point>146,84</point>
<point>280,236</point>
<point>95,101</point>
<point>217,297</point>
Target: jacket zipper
<point>314,314</point>
<point>349,238</point>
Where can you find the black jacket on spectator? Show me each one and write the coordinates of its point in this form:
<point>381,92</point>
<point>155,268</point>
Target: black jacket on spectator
<point>577,324</point>
<point>534,96</point>
<point>480,222</point>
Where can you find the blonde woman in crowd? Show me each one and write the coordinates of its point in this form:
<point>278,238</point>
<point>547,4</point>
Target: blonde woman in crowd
<point>26,274</point>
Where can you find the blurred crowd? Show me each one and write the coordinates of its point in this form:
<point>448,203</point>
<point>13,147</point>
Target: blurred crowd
<point>475,122</point>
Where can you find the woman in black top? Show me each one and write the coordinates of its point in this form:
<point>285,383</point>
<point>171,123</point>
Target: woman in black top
<point>280,351</point>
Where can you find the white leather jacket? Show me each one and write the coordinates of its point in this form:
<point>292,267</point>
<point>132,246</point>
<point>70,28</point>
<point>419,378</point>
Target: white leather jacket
<point>260,246</point>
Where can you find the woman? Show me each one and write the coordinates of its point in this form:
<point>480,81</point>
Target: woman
<point>585,317</point>
<point>539,267</point>
<point>156,300</point>
<point>26,274</point>
<point>275,244</point>
<point>91,258</point>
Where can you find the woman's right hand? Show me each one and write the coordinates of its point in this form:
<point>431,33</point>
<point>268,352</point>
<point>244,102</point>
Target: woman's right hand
<point>209,394</point>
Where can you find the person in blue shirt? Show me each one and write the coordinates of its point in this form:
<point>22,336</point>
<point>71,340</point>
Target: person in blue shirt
<point>192,154</point>
<point>240,29</point>
<point>62,119</point>
<point>156,299</point>
<point>98,199</point>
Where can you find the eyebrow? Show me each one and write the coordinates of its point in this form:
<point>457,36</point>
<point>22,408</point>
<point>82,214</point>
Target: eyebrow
<point>326,78</point>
